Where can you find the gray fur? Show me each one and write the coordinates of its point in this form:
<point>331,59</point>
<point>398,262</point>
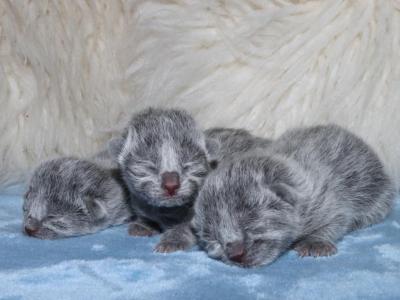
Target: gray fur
<point>309,188</point>
<point>225,143</point>
<point>70,197</point>
<point>157,141</point>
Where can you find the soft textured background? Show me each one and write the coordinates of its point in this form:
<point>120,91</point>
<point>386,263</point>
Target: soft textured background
<point>113,265</point>
<point>72,71</point>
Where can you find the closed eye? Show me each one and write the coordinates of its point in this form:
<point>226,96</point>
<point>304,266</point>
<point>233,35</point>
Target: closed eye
<point>58,225</point>
<point>187,167</point>
<point>147,164</point>
<point>199,174</point>
<point>258,230</point>
<point>136,173</point>
<point>81,211</point>
<point>137,168</point>
<point>195,170</point>
<point>258,242</point>
<point>152,168</point>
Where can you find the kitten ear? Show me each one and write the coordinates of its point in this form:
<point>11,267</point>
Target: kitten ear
<point>96,208</point>
<point>114,146</point>
<point>27,192</point>
<point>212,146</point>
<point>129,143</point>
<point>285,192</point>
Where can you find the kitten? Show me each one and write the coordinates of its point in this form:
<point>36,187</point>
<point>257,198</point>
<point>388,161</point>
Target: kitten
<point>225,143</point>
<point>162,157</point>
<point>309,188</point>
<point>70,197</point>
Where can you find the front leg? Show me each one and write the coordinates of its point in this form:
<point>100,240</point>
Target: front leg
<point>321,241</point>
<point>312,247</point>
<point>143,227</point>
<point>179,237</point>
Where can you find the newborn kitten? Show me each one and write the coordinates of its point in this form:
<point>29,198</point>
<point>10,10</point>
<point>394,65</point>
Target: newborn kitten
<point>309,188</point>
<point>162,157</point>
<point>224,143</point>
<point>70,197</point>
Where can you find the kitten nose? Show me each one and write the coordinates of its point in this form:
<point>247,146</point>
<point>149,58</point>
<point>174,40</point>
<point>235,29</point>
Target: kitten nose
<point>31,231</point>
<point>170,182</point>
<point>31,226</point>
<point>235,251</point>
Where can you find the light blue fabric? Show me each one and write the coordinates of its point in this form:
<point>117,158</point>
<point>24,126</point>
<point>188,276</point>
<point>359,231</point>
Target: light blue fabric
<point>112,265</point>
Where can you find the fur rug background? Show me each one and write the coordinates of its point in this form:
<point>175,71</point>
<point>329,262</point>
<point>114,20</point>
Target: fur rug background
<point>71,72</point>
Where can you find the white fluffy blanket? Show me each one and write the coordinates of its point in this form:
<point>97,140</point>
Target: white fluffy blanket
<point>71,72</point>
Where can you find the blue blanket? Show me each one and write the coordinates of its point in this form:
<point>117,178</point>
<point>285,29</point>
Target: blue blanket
<point>112,265</point>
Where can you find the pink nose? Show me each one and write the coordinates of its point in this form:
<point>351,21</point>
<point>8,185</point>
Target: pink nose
<point>235,251</point>
<point>31,231</point>
<point>170,182</point>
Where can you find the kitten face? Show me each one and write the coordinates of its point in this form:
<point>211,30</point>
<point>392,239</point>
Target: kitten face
<point>163,157</point>
<point>239,219</point>
<point>67,197</point>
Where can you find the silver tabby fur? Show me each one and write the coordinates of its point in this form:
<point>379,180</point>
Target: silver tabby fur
<point>308,189</point>
<point>225,143</point>
<point>69,197</point>
<point>157,141</point>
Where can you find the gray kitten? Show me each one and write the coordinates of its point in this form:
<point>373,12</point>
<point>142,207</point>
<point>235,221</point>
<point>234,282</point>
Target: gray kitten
<point>306,191</point>
<point>225,143</point>
<point>70,197</point>
<point>162,157</point>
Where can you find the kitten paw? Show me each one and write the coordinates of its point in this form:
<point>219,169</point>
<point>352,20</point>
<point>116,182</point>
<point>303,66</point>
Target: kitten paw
<point>170,246</point>
<point>136,229</point>
<point>315,248</point>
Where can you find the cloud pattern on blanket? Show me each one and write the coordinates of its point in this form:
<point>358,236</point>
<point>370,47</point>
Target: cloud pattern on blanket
<point>112,265</point>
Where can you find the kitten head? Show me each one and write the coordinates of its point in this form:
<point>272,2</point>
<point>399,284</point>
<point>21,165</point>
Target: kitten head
<point>162,157</point>
<point>225,143</point>
<point>69,197</point>
<point>242,216</point>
